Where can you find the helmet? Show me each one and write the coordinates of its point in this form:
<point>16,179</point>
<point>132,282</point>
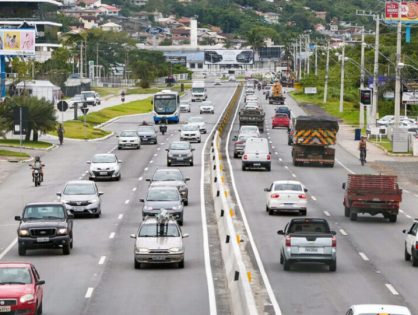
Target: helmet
<point>37,158</point>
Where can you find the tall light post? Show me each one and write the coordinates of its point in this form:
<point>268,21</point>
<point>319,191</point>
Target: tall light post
<point>342,78</point>
<point>326,75</point>
<point>398,69</point>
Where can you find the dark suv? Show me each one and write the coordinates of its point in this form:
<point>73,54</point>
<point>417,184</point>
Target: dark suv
<point>246,56</point>
<point>45,225</point>
<point>212,56</point>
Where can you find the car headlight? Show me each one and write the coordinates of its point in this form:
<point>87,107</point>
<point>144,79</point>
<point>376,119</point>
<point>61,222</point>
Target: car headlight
<point>147,208</point>
<point>27,298</point>
<point>23,232</point>
<point>176,207</point>
<point>174,249</point>
<point>95,200</point>
<point>142,250</point>
<point>62,231</point>
<point>63,200</point>
<point>183,187</point>
<point>170,154</point>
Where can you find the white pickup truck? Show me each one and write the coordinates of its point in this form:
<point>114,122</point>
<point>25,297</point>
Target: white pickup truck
<point>308,240</point>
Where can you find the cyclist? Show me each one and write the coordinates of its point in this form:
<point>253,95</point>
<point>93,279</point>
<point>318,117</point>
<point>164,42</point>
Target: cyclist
<point>362,146</point>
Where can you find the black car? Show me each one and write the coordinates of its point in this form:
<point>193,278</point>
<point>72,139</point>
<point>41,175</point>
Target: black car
<point>246,56</point>
<point>147,134</point>
<point>212,56</point>
<point>284,110</point>
<point>45,225</point>
<point>180,152</point>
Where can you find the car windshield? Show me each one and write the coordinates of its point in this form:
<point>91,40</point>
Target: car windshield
<point>184,104</point>
<point>244,137</point>
<point>195,119</point>
<point>89,94</point>
<point>295,187</point>
<point>282,110</point>
<point>179,146</point>
<point>40,212</point>
<point>249,130</point>
<point>190,127</point>
<point>163,195</point>
<point>309,227</point>
<point>104,158</point>
<point>158,230</point>
<point>128,134</point>
<point>14,275</point>
<point>198,90</point>
<point>167,175</point>
<point>207,103</point>
<point>79,189</point>
<point>280,116</point>
<point>146,129</point>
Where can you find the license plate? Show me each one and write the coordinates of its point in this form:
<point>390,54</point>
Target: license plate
<point>42,239</point>
<point>288,204</point>
<point>180,159</point>
<point>257,164</point>
<point>78,208</point>
<point>158,257</point>
<point>103,173</point>
<point>5,308</point>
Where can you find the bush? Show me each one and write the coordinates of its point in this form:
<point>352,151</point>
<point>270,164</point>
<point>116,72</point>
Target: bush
<point>144,84</point>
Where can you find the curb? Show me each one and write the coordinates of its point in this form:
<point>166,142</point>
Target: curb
<point>29,148</point>
<point>391,154</point>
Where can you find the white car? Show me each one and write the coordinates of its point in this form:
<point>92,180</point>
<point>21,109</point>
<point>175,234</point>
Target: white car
<point>250,130</point>
<point>185,107</point>
<point>286,195</point>
<point>129,139</point>
<point>198,120</point>
<point>104,166</point>
<point>411,241</point>
<point>367,309</point>
<point>251,98</point>
<point>256,154</point>
<point>78,100</point>
<point>190,132</point>
<point>207,107</point>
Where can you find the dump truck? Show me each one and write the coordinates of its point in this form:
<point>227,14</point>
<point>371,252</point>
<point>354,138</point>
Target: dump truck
<point>372,194</point>
<point>252,115</point>
<point>275,95</point>
<point>313,137</point>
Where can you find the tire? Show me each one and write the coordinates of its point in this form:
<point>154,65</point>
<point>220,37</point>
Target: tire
<point>267,208</point>
<point>168,163</point>
<point>393,218</point>
<point>137,265</point>
<point>21,250</point>
<point>119,148</point>
<point>281,259</point>
<point>347,211</point>
<point>353,216</point>
<point>271,212</point>
<point>186,202</point>
<point>181,222</point>
<point>268,168</point>
<point>191,163</point>
<point>243,168</point>
<point>71,242</point>
<point>333,266</point>
<point>286,264</point>
<point>181,264</point>
<point>66,249</point>
<point>138,147</point>
<point>40,310</point>
<point>414,260</point>
<point>97,215</point>
<point>407,256</point>
<point>235,156</point>
<point>118,178</point>
<point>302,212</point>
<point>199,141</point>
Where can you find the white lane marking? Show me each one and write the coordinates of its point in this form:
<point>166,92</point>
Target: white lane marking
<point>162,143</point>
<point>140,178</point>
<point>260,265</point>
<point>151,161</point>
<point>112,235</point>
<point>113,149</point>
<point>273,147</point>
<point>280,159</point>
<point>158,149</point>
<point>268,137</point>
<point>363,256</point>
<point>8,248</point>
<point>350,171</point>
<point>407,191</point>
<point>343,232</point>
<point>294,175</point>
<point>146,169</point>
<point>120,216</point>
<point>391,289</point>
<point>89,293</point>
<point>327,213</point>
<point>416,195</point>
<point>277,153</point>
<point>102,260</point>
<point>126,201</point>
<point>134,189</point>
<point>286,167</point>
<point>155,154</point>
<point>270,141</point>
<point>401,211</point>
<point>81,177</point>
<point>408,216</point>
<point>313,198</point>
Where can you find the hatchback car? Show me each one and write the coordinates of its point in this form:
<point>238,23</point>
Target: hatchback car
<point>190,132</point>
<point>199,121</point>
<point>280,120</point>
<point>104,166</point>
<point>284,110</point>
<point>147,134</point>
<point>129,139</point>
<point>378,309</point>
<point>81,197</point>
<point>180,152</point>
<point>21,289</point>
<point>207,107</point>
<point>239,144</point>
<point>164,197</point>
<point>249,130</point>
<point>159,240</point>
<point>283,195</point>
<point>171,177</point>
<point>411,244</point>
<point>185,107</point>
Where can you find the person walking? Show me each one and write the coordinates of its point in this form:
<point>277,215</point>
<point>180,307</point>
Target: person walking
<point>60,132</point>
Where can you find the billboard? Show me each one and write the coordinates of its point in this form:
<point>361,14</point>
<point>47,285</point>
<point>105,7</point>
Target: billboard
<point>229,57</point>
<point>177,60</point>
<point>270,53</point>
<point>409,11</point>
<point>17,42</point>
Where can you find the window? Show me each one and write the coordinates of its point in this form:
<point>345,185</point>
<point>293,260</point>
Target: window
<point>200,65</point>
<point>193,65</point>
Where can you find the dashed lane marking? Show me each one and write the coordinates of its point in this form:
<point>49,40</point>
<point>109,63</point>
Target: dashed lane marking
<point>294,175</point>
<point>286,167</point>
<point>102,260</point>
<point>134,189</point>
<point>350,171</point>
<point>408,216</point>
<point>156,154</point>
<point>363,256</point>
<point>112,235</point>
<point>277,153</point>
<point>343,232</point>
<point>89,293</point>
<point>327,213</point>
<point>313,198</point>
<point>151,161</point>
<point>8,248</point>
<point>280,159</point>
<point>146,169</point>
<point>126,201</point>
<point>407,191</point>
<point>140,178</point>
<point>401,211</point>
<point>120,216</point>
<point>158,149</point>
<point>391,289</point>
<point>273,147</point>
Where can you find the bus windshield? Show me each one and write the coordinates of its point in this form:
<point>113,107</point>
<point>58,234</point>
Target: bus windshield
<point>165,104</point>
<point>198,90</point>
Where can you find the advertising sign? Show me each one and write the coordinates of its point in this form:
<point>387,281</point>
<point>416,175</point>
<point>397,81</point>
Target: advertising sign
<point>177,60</point>
<point>311,90</point>
<point>17,42</point>
<point>410,98</point>
<point>229,57</point>
<point>409,11</point>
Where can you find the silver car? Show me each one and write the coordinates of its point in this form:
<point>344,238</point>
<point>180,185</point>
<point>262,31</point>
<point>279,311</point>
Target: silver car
<point>159,240</point>
<point>104,166</point>
<point>190,132</point>
<point>81,197</point>
<point>163,198</point>
<point>207,107</point>
<point>180,152</point>
<point>198,120</point>
<point>129,139</point>
<point>147,134</point>
<point>185,107</point>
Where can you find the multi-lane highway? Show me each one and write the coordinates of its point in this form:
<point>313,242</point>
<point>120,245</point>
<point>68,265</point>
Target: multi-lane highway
<point>99,276</point>
<point>370,265</point>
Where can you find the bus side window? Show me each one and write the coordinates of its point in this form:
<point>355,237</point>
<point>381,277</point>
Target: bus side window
<point>178,99</point>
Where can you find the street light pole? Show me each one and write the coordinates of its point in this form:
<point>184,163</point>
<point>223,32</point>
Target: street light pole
<point>326,75</point>
<point>376,71</point>
<point>398,69</point>
<point>342,78</point>
<point>316,60</point>
<point>300,59</point>
<point>362,60</point>
<point>307,54</point>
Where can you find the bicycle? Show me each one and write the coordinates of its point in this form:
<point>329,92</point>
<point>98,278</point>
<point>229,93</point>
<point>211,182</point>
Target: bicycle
<point>362,156</point>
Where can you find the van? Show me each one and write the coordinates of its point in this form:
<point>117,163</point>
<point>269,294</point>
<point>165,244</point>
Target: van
<point>256,154</point>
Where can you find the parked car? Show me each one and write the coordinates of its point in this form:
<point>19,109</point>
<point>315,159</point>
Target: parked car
<point>280,120</point>
<point>129,139</point>
<point>21,289</point>
<point>379,309</point>
<point>105,166</point>
<point>147,134</point>
<point>286,195</point>
<point>207,107</point>
<point>184,107</point>
<point>45,225</point>
<point>180,152</point>
<point>163,197</point>
<point>308,240</point>
<point>190,132</point>
<point>159,240</point>
<point>256,154</point>
<point>81,197</point>
<point>199,121</point>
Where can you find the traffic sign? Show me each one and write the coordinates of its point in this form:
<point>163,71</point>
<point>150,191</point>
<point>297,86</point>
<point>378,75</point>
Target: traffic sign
<point>62,106</point>
<point>84,110</point>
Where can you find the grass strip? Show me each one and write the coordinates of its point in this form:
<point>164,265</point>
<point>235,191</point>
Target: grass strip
<point>9,153</point>
<point>29,144</point>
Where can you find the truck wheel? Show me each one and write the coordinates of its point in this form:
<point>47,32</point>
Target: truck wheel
<point>267,208</point>
<point>66,249</point>
<point>406,255</point>
<point>414,260</point>
<point>243,168</point>
<point>235,155</point>
<point>268,168</point>
<point>353,216</point>
<point>137,264</point>
<point>393,218</point>
<point>21,250</point>
<point>286,264</point>
<point>347,211</point>
<point>333,265</point>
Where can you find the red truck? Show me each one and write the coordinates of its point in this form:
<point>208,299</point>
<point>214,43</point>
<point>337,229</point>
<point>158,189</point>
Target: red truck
<point>372,194</point>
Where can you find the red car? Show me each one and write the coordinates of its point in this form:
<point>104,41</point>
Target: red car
<point>280,120</point>
<point>21,289</point>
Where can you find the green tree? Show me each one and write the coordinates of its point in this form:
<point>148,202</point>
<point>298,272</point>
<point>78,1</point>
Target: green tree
<point>257,35</point>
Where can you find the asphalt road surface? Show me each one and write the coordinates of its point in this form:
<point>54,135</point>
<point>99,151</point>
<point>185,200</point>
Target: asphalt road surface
<point>98,277</point>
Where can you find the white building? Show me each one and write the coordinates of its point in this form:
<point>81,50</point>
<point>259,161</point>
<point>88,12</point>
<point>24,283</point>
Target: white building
<point>111,27</point>
<point>40,89</point>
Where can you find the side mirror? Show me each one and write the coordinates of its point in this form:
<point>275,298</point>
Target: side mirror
<point>120,161</point>
<point>280,232</point>
<point>152,102</point>
<point>30,165</point>
<point>305,189</point>
<point>101,193</point>
<point>235,138</point>
<point>70,216</point>
<point>267,189</point>
<point>186,179</point>
<point>59,194</point>
<point>88,162</point>
<point>404,231</point>
<point>132,236</point>
<point>179,129</point>
<point>148,180</point>
<point>40,282</point>
<point>142,200</point>
<point>185,235</point>
<point>117,136</point>
<point>343,185</point>
<point>18,218</point>
<point>333,233</point>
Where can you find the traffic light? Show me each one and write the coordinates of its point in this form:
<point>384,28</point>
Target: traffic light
<point>365,96</point>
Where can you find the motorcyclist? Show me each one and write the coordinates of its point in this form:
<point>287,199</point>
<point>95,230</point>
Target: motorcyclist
<point>362,146</point>
<point>60,132</point>
<point>163,126</point>
<point>37,165</point>
<point>144,123</point>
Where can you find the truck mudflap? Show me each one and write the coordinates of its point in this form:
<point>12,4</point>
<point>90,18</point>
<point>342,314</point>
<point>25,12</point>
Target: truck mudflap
<point>318,155</point>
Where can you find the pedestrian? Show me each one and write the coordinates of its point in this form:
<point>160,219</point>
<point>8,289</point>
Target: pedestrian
<point>60,132</point>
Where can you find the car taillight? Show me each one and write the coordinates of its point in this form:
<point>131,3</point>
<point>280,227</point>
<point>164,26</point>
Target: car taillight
<point>275,196</point>
<point>302,196</point>
<point>334,241</point>
<point>239,142</point>
<point>244,157</point>
<point>416,245</point>
<point>288,241</point>
<point>268,157</point>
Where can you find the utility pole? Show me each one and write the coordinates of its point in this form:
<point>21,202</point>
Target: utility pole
<point>97,60</point>
<point>362,60</point>
<point>307,54</point>
<point>81,60</point>
<point>342,78</point>
<point>300,58</point>
<point>326,75</point>
<point>316,60</point>
<point>295,60</point>
<point>398,69</point>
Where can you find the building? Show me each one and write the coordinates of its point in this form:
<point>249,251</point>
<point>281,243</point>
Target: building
<point>108,10</point>
<point>139,3</point>
<point>14,13</point>
<point>271,17</point>
<point>321,15</point>
<point>111,27</point>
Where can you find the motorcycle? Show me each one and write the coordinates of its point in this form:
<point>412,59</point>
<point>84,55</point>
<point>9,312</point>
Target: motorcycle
<point>163,129</point>
<point>37,178</point>
<point>122,99</point>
